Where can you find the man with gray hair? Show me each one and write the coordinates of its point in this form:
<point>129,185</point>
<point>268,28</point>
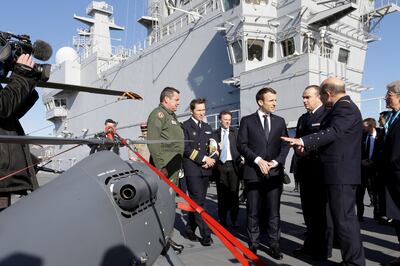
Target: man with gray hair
<point>391,158</point>
<point>339,148</point>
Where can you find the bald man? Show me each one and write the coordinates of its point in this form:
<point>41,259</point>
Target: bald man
<point>339,147</point>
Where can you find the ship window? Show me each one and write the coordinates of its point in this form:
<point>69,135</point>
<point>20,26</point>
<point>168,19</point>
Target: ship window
<point>271,48</point>
<point>257,2</point>
<point>255,49</point>
<point>237,51</point>
<point>308,44</point>
<point>60,102</point>
<point>287,47</point>
<point>326,49</point>
<point>343,55</point>
<point>229,4</point>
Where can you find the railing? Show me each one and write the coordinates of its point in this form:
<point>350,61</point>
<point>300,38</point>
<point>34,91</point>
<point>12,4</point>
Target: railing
<point>99,5</point>
<point>213,120</point>
<point>382,3</point>
<point>175,25</point>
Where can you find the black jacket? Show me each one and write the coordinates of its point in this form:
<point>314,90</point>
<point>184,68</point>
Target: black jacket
<point>233,134</point>
<point>195,151</point>
<point>306,170</point>
<point>391,168</point>
<point>339,144</point>
<point>15,100</point>
<point>252,143</point>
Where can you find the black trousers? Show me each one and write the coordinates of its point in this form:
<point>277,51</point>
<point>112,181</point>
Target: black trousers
<point>319,239</point>
<point>267,194</point>
<point>366,185</point>
<point>227,192</point>
<point>341,201</point>
<point>197,188</point>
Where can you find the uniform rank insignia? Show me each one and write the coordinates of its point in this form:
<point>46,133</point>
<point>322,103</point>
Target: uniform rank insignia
<point>173,122</point>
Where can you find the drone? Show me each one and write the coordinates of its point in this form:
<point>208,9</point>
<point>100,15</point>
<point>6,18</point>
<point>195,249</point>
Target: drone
<point>102,211</point>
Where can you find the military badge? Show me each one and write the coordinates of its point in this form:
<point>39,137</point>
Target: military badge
<point>160,115</point>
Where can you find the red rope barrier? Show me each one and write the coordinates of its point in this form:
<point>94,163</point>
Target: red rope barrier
<point>232,244</point>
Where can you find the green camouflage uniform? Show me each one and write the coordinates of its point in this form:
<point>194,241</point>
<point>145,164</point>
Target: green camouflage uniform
<point>162,124</point>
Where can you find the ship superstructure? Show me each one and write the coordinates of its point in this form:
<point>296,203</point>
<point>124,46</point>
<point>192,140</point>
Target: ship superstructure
<point>222,50</point>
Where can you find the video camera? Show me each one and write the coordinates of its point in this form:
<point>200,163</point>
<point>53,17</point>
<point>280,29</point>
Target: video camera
<point>12,46</point>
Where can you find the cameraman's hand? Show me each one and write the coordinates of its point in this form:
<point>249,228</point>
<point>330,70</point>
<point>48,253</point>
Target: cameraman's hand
<point>26,59</point>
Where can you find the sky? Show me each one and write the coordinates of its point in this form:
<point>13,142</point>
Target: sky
<point>52,21</point>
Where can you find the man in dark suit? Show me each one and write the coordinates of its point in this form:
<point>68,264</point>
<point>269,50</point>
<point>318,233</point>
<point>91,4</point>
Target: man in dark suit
<point>391,158</point>
<point>265,154</point>
<point>370,147</point>
<point>318,241</point>
<point>228,170</point>
<point>339,148</point>
<point>197,165</point>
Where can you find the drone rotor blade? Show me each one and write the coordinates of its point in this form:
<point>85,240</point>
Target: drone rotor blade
<point>51,140</point>
<point>69,87</point>
<point>66,141</point>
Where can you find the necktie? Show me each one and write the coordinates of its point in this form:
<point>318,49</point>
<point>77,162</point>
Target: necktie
<point>368,146</point>
<point>266,127</point>
<point>225,146</point>
<point>199,124</point>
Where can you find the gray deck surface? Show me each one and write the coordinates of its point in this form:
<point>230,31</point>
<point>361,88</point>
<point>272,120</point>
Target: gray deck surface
<point>380,242</point>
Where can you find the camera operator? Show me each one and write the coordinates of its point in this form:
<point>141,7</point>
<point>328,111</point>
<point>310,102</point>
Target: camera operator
<point>110,132</point>
<point>15,101</point>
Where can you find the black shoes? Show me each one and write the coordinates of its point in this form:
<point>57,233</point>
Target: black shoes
<point>191,236</point>
<point>206,241</point>
<point>275,252</point>
<point>306,252</point>
<point>175,246</point>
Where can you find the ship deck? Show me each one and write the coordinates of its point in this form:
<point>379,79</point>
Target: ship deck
<point>380,241</point>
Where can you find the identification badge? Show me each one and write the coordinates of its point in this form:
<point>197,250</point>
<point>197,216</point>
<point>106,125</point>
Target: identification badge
<point>315,124</point>
<point>207,132</point>
<point>173,122</point>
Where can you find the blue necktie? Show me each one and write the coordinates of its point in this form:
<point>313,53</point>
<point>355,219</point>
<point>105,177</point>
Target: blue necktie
<point>225,147</point>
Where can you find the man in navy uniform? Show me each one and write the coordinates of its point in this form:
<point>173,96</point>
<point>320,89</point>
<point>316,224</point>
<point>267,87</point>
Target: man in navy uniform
<point>197,166</point>
<point>339,148</point>
<point>319,236</point>
<point>265,153</point>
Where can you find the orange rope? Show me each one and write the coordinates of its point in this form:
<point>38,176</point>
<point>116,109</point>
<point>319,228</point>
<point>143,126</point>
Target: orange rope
<point>232,244</point>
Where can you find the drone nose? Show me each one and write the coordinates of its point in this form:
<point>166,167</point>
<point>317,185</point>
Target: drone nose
<point>127,192</point>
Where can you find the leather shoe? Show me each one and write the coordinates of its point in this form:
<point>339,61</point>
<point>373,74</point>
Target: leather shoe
<point>253,249</point>
<point>302,252</point>
<point>314,255</point>
<point>191,236</point>
<point>276,253</point>
<point>175,246</point>
<point>206,241</point>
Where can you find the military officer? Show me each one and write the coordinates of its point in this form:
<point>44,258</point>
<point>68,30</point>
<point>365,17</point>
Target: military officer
<point>197,165</point>
<point>163,124</point>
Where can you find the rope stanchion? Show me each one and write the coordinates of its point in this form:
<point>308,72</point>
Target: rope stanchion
<point>232,244</point>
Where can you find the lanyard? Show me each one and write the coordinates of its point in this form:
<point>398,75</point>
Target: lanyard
<point>390,120</point>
